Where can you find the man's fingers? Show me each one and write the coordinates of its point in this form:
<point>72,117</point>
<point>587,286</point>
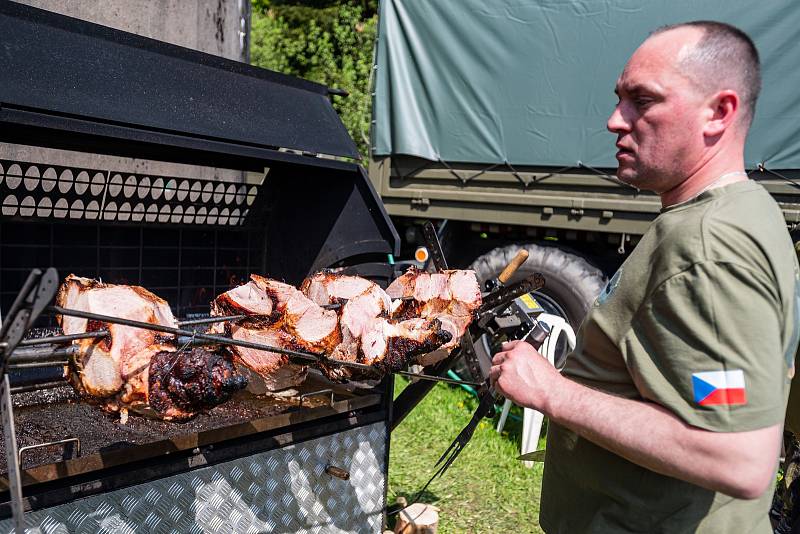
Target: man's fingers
<point>498,358</point>
<point>494,374</point>
<point>508,345</point>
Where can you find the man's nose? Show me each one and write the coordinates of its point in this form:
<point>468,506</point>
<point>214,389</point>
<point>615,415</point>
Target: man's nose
<point>616,122</point>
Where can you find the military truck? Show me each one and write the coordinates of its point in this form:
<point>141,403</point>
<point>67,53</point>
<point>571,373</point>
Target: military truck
<point>489,117</point>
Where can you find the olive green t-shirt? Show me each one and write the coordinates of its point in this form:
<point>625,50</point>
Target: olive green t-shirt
<point>702,320</point>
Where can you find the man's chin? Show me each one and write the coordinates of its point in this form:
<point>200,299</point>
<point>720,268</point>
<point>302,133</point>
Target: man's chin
<point>627,175</point>
<point>635,179</point>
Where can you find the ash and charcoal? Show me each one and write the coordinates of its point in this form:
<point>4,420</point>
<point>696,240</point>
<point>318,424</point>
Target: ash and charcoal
<point>52,415</point>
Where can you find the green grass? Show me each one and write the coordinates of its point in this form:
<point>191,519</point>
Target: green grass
<point>486,489</point>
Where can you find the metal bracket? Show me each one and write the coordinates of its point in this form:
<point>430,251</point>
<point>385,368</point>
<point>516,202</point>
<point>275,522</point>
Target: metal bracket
<point>505,295</point>
<point>471,358</point>
<point>314,394</point>
<point>434,246</point>
<point>37,292</point>
<point>12,458</point>
<point>66,441</point>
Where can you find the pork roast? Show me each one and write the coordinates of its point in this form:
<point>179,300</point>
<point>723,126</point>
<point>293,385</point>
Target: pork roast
<point>369,335</point>
<point>451,296</point>
<point>115,370</point>
<point>279,315</point>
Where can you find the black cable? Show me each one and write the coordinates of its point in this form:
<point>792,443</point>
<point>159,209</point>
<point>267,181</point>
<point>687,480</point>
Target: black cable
<point>606,176</point>
<point>762,168</point>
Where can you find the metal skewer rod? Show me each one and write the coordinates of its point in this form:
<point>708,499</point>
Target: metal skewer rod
<point>37,387</point>
<point>37,365</point>
<point>224,318</point>
<point>62,339</point>
<point>307,356</point>
<point>31,356</point>
<point>440,379</point>
<point>209,320</point>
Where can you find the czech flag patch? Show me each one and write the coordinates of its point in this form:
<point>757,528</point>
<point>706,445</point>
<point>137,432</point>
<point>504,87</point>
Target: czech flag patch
<point>719,388</point>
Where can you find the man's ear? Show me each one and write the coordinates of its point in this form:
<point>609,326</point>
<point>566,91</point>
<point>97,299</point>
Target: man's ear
<point>722,111</point>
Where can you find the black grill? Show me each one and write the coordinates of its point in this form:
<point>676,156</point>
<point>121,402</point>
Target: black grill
<point>184,238</point>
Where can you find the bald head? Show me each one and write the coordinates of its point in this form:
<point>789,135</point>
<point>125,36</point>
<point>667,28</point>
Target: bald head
<point>722,57</point>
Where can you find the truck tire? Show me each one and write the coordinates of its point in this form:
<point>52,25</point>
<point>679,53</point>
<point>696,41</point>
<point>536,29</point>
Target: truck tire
<point>571,283</point>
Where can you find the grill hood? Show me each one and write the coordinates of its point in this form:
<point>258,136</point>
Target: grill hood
<point>61,73</point>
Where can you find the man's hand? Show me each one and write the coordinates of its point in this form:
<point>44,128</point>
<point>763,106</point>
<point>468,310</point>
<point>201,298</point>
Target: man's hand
<point>522,375</point>
<point>740,464</point>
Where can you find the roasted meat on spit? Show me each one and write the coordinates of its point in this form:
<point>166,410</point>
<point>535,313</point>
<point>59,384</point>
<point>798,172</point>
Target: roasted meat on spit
<point>280,316</point>
<point>451,297</point>
<point>369,335</point>
<point>133,367</point>
<point>359,331</point>
<point>367,327</point>
<point>136,368</point>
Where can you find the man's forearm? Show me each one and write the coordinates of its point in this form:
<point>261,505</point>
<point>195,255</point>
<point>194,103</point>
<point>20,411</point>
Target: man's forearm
<point>734,463</point>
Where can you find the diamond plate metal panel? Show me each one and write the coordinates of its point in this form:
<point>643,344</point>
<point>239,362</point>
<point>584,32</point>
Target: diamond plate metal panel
<point>284,490</point>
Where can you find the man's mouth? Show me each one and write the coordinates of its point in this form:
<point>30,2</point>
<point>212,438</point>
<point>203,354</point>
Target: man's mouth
<point>624,152</point>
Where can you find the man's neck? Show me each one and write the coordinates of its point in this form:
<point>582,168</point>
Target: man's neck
<point>682,194</point>
<point>708,177</point>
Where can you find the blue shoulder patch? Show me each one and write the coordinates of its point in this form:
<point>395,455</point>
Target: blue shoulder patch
<point>611,285</point>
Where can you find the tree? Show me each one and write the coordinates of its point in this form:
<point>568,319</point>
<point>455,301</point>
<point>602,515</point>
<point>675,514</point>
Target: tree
<point>323,41</point>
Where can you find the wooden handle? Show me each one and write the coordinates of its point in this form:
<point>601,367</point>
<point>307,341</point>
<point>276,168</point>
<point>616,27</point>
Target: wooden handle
<point>512,267</point>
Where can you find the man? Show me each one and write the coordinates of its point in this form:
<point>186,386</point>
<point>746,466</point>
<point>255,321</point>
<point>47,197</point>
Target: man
<point>668,415</point>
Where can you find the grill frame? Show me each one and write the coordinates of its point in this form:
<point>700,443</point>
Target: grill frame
<point>55,483</point>
<point>315,212</point>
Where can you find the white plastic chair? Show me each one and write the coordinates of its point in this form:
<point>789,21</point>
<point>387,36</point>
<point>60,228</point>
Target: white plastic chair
<point>531,419</point>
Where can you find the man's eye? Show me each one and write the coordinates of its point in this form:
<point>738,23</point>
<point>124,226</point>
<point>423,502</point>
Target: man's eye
<point>642,101</point>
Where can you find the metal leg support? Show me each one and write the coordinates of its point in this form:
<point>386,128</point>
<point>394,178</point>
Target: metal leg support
<point>12,459</point>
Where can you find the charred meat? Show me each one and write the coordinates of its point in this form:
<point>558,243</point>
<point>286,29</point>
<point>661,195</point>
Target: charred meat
<point>114,371</point>
<point>369,334</point>
<point>450,296</point>
<point>393,346</point>
<point>280,316</point>
<point>185,382</point>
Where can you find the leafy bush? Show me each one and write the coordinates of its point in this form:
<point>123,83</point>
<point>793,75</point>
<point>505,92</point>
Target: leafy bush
<point>325,42</point>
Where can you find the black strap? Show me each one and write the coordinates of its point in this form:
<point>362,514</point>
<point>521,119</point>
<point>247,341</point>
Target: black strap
<point>485,406</point>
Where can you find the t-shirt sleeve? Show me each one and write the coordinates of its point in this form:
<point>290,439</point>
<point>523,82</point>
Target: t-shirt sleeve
<point>707,345</point>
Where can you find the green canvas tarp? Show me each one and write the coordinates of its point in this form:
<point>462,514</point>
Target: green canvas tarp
<point>530,82</point>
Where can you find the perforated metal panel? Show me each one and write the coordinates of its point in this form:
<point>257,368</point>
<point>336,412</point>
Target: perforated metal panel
<point>50,191</point>
<point>285,490</point>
